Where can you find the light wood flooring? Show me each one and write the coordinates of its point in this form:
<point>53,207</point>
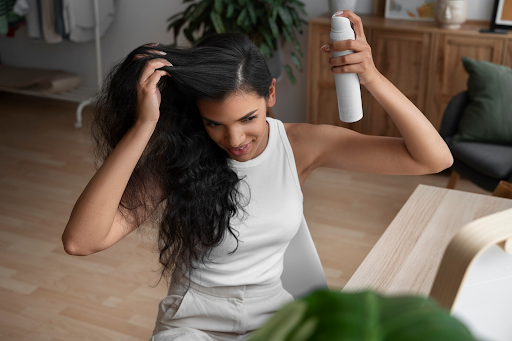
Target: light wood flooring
<point>48,295</point>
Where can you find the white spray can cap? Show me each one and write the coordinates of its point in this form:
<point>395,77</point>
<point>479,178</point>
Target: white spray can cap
<point>339,24</point>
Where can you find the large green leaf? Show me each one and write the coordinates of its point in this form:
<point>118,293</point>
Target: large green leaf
<point>217,22</point>
<point>361,316</point>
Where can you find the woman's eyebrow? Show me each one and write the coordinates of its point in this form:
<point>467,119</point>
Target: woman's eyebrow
<point>240,119</point>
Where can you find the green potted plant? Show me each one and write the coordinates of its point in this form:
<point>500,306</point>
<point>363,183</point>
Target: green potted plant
<point>264,21</point>
<point>361,316</point>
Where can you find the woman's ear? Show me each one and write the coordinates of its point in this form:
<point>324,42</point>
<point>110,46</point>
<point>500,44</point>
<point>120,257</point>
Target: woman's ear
<point>272,94</point>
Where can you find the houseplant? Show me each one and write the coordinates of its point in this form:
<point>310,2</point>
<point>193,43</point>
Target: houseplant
<point>264,21</point>
<point>361,316</point>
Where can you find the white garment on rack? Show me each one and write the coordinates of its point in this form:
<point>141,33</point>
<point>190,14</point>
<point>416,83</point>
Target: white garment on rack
<point>20,8</point>
<point>31,18</point>
<point>48,22</point>
<point>79,20</point>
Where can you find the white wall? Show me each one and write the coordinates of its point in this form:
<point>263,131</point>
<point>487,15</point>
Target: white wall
<point>137,22</point>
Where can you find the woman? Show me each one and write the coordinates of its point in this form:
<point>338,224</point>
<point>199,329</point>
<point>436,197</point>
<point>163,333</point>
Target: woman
<point>172,139</point>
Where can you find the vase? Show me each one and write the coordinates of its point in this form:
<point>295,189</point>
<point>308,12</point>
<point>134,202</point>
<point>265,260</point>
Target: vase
<point>450,14</point>
<point>341,5</point>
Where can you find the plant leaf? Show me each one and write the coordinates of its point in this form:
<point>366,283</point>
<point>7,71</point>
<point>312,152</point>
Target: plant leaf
<point>296,21</point>
<point>230,11</point>
<point>199,9</point>
<point>177,28</point>
<point>217,22</point>
<point>298,3</point>
<point>242,17</point>
<point>268,38</point>
<point>174,16</point>
<point>300,7</point>
<point>274,28</point>
<point>297,46</point>
<point>190,37</point>
<point>295,60</point>
<point>285,16</point>
<point>252,15</point>
<point>286,34</point>
<point>289,72</point>
<point>265,49</point>
<point>173,23</point>
<point>218,6</point>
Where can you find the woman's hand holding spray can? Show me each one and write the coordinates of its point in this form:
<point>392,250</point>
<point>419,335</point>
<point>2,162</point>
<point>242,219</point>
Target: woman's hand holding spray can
<point>351,71</point>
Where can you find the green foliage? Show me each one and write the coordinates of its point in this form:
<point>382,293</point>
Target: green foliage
<point>264,21</point>
<point>361,316</point>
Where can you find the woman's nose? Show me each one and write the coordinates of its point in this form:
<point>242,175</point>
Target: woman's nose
<point>236,139</point>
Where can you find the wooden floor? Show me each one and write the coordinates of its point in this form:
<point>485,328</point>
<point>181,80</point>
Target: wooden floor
<point>48,295</point>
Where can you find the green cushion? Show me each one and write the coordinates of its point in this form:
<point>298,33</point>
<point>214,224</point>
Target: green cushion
<point>488,115</point>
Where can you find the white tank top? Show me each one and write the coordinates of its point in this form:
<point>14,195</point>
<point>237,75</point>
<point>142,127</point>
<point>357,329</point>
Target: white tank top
<point>274,214</point>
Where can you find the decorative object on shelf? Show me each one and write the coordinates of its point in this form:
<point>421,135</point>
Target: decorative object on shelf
<point>362,315</point>
<point>420,10</point>
<point>264,21</point>
<point>450,14</point>
<point>342,5</point>
<point>501,19</point>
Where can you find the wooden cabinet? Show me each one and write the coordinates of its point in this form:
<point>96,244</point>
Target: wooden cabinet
<point>420,59</point>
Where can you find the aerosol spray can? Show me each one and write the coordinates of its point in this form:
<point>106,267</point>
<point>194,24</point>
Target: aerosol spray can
<point>348,88</point>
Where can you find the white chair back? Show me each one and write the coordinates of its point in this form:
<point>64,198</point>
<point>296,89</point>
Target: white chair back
<point>303,271</point>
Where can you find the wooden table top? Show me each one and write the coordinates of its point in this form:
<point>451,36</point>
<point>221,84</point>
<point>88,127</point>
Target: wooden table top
<point>406,257</point>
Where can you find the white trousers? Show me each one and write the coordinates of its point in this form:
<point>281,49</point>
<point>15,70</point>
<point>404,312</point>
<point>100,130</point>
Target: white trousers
<point>218,313</point>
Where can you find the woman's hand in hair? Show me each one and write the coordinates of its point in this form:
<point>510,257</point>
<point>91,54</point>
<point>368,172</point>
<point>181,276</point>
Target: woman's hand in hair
<point>148,94</point>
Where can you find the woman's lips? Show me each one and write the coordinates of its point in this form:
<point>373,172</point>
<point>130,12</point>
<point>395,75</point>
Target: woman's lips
<point>242,151</point>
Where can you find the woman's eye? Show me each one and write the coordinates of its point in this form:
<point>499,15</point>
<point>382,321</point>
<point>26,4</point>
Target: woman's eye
<point>209,124</point>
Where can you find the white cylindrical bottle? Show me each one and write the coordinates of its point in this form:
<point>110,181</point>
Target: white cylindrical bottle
<point>348,88</point>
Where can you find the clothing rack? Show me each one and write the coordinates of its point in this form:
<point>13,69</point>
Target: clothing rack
<point>81,95</point>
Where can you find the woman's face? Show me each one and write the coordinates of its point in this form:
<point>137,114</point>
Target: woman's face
<point>238,120</point>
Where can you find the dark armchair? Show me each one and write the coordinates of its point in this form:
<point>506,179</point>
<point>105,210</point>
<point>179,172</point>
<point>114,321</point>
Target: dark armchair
<point>484,164</point>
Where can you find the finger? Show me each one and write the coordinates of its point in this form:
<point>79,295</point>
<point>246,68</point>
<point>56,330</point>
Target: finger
<point>352,68</point>
<point>151,66</point>
<point>155,77</point>
<point>351,58</point>
<point>139,56</point>
<point>343,45</point>
<point>357,23</point>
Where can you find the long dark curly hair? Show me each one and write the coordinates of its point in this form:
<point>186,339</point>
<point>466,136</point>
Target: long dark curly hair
<point>181,159</point>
